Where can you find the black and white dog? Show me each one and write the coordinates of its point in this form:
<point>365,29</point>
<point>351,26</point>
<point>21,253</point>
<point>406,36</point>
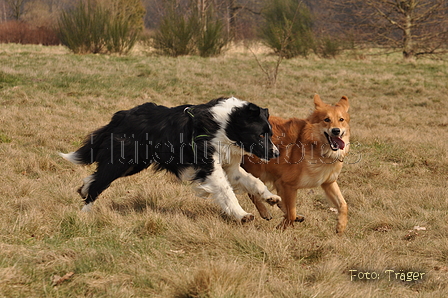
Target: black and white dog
<point>202,143</point>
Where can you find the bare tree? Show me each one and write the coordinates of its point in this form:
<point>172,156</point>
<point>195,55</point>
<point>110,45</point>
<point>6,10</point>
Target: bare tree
<point>15,8</point>
<point>240,11</point>
<point>3,12</point>
<point>417,27</point>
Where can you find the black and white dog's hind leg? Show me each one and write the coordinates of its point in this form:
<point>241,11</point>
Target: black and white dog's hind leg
<point>104,175</point>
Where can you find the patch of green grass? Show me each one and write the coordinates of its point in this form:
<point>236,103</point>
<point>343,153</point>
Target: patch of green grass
<point>7,79</point>
<point>5,138</point>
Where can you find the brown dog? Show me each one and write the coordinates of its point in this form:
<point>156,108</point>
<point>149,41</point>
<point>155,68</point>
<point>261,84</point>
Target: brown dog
<point>311,155</point>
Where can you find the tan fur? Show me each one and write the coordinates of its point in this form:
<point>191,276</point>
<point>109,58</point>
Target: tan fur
<point>306,159</point>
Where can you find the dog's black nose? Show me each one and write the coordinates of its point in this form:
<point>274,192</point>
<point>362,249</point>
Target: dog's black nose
<point>275,152</point>
<point>335,131</point>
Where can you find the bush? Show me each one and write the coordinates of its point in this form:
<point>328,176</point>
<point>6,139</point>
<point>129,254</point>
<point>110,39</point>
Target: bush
<point>121,37</point>
<point>287,28</point>
<point>82,28</point>
<point>24,33</point>
<point>182,33</point>
<point>211,39</point>
<point>132,10</point>
<point>176,34</point>
<point>125,25</point>
<point>93,27</point>
<point>329,47</point>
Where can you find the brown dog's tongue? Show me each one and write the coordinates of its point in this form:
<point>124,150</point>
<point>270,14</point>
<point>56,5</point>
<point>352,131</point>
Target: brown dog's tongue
<point>338,141</point>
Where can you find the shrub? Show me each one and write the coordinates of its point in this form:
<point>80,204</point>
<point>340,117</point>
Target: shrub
<point>329,47</point>
<point>121,37</point>
<point>132,10</point>
<point>176,34</point>
<point>125,25</point>
<point>24,33</point>
<point>183,33</point>
<point>287,28</point>
<point>211,39</point>
<point>82,28</point>
<point>94,27</point>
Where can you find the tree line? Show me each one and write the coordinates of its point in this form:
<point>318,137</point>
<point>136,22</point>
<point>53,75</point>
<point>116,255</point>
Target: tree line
<point>289,27</point>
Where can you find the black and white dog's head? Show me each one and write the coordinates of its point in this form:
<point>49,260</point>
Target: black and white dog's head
<point>246,125</point>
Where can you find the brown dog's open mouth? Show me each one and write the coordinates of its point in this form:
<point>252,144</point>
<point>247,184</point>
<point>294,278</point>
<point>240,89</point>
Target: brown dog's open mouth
<point>336,143</point>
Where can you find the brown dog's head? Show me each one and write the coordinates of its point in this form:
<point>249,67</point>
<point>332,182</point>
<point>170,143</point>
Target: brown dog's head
<point>331,122</point>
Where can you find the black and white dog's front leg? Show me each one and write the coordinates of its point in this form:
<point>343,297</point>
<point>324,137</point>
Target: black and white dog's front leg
<point>250,184</point>
<point>221,190</point>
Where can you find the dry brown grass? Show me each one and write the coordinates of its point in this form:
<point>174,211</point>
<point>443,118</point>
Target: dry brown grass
<point>149,236</point>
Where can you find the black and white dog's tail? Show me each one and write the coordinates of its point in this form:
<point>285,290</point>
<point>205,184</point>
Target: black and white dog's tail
<point>88,153</point>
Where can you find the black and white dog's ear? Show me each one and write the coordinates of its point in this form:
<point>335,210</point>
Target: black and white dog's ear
<point>253,110</point>
<point>265,112</point>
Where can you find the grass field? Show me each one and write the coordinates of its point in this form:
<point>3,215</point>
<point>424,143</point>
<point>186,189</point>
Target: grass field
<point>149,236</point>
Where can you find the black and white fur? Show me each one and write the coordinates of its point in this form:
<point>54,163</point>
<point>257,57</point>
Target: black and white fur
<point>202,143</point>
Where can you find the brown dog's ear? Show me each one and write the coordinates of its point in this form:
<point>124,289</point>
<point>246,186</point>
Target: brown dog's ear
<point>317,101</point>
<point>343,102</point>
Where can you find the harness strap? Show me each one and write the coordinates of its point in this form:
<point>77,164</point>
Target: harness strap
<point>189,111</point>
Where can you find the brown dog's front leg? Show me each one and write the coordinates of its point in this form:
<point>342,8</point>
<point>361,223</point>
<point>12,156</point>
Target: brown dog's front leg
<point>335,196</point>
<point>261,207</point>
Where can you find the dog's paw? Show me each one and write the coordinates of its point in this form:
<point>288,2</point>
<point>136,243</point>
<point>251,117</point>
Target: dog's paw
<point>247,218</point>
<point>87,208</point>
<point>285,223</point>
<point>266,216</point>
<point>299,218</point>
<point>340,228</point>
<point>273,200</point>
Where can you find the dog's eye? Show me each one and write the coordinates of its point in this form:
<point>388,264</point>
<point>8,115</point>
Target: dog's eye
<point>341,119</point>
<point>327,120</point>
